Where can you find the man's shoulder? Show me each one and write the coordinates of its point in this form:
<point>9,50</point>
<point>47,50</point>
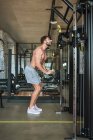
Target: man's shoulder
<point>38,50</point>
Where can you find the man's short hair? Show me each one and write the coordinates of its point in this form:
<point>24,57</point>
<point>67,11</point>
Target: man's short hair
<point>43,38</point>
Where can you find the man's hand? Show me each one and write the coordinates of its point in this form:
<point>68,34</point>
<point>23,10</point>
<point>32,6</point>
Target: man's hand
<point>51,71</point>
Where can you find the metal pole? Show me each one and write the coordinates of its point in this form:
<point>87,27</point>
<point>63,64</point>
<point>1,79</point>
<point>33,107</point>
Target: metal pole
<point>60,15</point>
<point>20,61</point>
<point>91,71</point>
<point>74,76</point>
<point>68,61</point>
<point>61,92</point>
<point>82,66</point>
<point>16,63</point>
<point>68,4</point>
<point>68,69</point>
<point>24,61</point>
<point>61,83</point>
<point>87,74</point>
<point>9,71</point>
<point>51,16</point>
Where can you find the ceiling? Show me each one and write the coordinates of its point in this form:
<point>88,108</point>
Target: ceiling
<point>27,20</point>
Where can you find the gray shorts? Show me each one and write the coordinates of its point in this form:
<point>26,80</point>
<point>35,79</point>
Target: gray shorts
<point>32,75</point>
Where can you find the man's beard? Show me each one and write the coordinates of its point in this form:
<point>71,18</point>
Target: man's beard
<point>48,44</point>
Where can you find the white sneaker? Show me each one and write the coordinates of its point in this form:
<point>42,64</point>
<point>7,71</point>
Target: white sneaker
<point>32,111</point>
<point>38,109</point>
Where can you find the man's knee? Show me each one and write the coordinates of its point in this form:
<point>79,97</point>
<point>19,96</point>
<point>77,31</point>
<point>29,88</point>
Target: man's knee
<point>38,88</point>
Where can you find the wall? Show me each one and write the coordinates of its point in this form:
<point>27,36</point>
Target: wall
<point>6,43</point>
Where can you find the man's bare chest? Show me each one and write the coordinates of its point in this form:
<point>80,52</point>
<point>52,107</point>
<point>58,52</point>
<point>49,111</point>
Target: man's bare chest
<point>43,57</point>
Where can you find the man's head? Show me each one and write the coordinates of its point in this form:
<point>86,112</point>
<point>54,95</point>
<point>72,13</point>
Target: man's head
<point>46,40</point>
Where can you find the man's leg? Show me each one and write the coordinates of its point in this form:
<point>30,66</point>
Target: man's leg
<point>38,94</point>
<point>35,94</point>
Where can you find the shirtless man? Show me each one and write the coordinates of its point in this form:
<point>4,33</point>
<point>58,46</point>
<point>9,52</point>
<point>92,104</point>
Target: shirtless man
<point>37,62</point>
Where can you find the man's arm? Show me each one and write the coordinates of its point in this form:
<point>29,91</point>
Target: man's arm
<point>44,66</point>
<point>38,61</point>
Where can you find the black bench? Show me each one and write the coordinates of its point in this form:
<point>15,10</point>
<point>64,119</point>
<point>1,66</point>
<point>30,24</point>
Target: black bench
<point>1,102</point>
<point>49,88</point>
<point>3,88</point>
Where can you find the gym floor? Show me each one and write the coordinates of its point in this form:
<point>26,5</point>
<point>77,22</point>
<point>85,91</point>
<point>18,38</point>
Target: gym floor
<point>16,124</point>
